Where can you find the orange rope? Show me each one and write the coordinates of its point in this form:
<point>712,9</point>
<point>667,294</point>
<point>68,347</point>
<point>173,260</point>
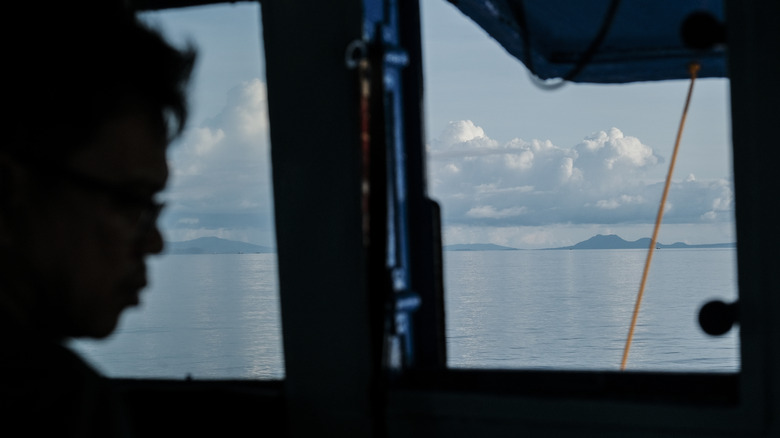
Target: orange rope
<point>694,69</point>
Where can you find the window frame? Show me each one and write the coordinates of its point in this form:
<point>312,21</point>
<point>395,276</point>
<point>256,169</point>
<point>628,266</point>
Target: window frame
<point>708,402</point>
<point>334,316</point>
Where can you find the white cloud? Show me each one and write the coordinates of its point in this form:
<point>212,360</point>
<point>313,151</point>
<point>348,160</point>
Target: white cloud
<point>205,140</point>
<point>613,148</point>
<point>461,131</point>
<point>221,169</point>
<point>245,114</point>
<point>490,212</point>
<point>604,179</point>
<point>613,203</point>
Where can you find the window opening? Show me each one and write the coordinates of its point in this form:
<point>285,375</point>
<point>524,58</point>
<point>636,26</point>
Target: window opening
<point>519,171</point>
<point>212,307</point>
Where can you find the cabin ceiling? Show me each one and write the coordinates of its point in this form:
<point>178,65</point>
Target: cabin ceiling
<point>642,40</point>
<point>596,41</point>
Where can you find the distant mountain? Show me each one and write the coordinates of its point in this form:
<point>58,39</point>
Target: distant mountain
<point>477,247</point>
<point>214,245</point>
<point>613,241</point>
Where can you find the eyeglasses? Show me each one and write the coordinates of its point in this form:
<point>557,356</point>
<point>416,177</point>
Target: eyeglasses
<point>141,211</point>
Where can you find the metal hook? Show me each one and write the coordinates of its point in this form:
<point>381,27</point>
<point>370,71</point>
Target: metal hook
<point>356,52</point>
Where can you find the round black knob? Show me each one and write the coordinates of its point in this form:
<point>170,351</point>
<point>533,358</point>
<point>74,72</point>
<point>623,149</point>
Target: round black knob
<point>716,317</point>
<point>702,30</point>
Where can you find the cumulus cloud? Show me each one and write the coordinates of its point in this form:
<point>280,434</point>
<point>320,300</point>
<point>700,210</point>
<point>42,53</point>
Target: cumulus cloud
<point>601,180</point>
<point>488,211</point>
<point>220,170</point>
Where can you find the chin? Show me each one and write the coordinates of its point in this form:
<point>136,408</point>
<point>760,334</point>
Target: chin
<point>106,330</point>
<point>99,329</point>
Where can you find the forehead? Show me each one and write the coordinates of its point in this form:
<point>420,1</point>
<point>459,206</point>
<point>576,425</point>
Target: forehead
<point>127,148</point>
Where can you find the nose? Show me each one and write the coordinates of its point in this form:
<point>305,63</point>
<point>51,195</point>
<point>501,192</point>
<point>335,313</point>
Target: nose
<point>149,240</point>
<point>152,241</point>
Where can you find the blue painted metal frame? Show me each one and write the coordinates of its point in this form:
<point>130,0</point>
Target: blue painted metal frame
<point>382,33</point>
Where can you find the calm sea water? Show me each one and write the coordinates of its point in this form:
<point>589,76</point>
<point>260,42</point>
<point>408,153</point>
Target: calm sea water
<point>204,316</point>
<point>572,309</point>
<point>217,316</point>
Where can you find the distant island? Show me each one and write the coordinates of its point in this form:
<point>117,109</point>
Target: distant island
<point>613,241</point>
<point>214,245</point>
<point>600,241</point>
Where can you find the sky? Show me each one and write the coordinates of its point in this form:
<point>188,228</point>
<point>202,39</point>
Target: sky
<point>510,164</point>
<point>220,181</point>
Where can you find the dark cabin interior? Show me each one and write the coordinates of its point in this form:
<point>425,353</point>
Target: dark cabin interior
<point>338,318</point>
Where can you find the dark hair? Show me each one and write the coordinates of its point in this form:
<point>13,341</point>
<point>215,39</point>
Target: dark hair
<point>75,65</point>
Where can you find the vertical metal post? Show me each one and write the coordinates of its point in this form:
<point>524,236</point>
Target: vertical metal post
<point>412,246</point>
<point>382,35</point>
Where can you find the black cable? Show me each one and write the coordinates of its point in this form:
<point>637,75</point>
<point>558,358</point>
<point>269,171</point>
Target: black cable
<point>518,9</point>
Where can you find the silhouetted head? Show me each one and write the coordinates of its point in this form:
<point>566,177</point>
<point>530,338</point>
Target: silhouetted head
<point>73,65</point>
<point>94,100</point>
